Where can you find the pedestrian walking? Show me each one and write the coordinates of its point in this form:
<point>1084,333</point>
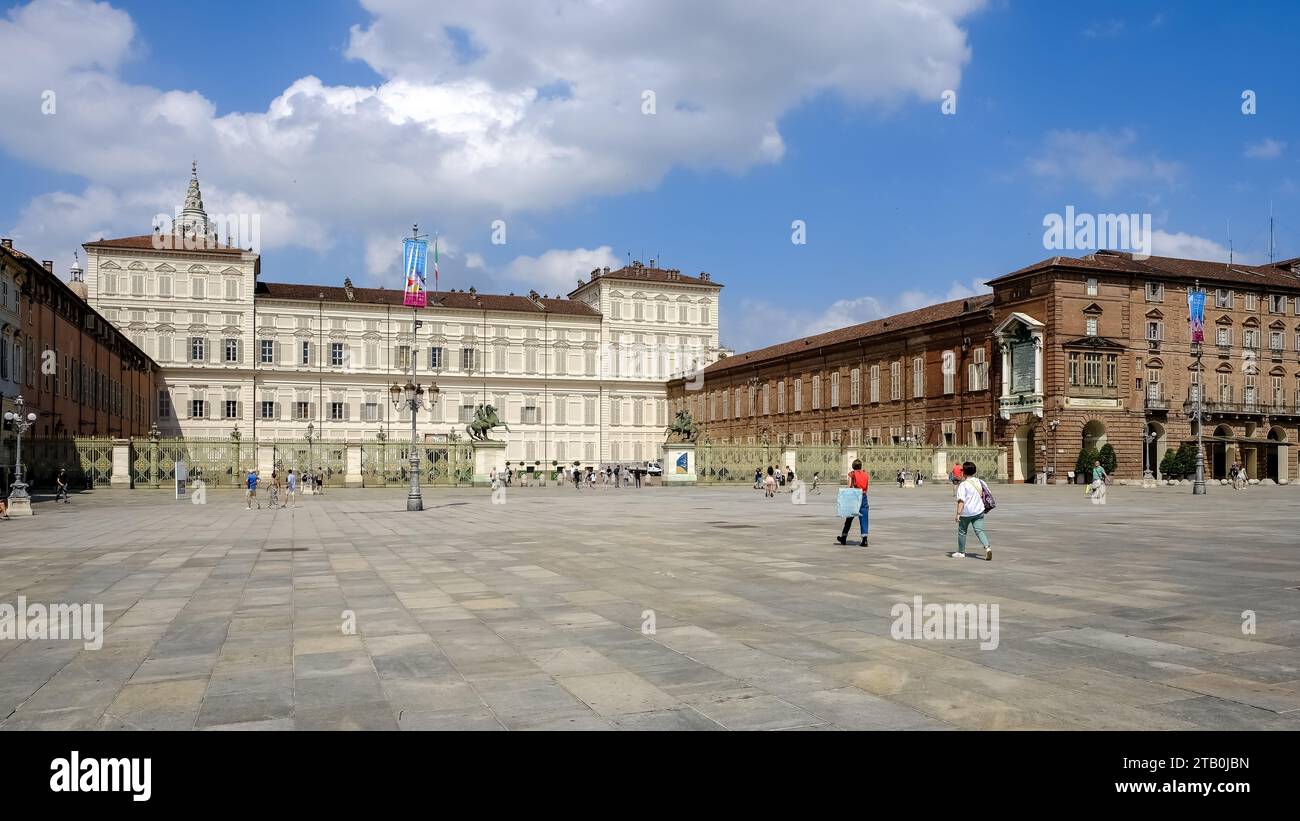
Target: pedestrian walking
<point>320,481</point>
<point>858,480</point>
<point>251,492</point>
<point>789,478</point>
<point>638,473</point>
<point>61,484</point>
<point>955,477</point>
<point>971,507</point>
<point>1098,484</point>
<point>758,478</point>
<point>900,478</point>
<point>293,489</point>
<point>4,510</point>
<point>769,483</point>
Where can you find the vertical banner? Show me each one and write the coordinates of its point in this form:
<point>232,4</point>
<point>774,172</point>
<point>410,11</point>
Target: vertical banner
<point>415,254</point>
<point>1196,314</point>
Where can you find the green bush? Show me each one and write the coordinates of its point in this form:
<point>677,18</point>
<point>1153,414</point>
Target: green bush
<point>1186,459</point>
<point>1107,457</point>
<point>1169,465</point>
<point>1083,465</point>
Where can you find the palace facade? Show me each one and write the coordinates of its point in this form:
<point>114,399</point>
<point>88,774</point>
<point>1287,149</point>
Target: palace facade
<point>577,377</point>
<point>1064,354</point>
<point>80,375</point>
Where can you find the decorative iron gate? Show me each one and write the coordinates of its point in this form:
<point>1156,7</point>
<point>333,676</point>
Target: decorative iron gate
<point>821,459</point>
<point>326,459</point>
<point>732,463</point>
<point>215,462</point>
<point>985,459</point>
<point>441,464</point>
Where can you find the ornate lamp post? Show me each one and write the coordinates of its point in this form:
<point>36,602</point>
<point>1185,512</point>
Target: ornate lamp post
<point>413,397</point>
<point>20,504</point>
<point>153,455</point>
<point>311,433</point>
<point>235,436</point>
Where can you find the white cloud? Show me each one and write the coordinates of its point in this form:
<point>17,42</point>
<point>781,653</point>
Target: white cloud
<point>1266,149</point>
<point>1190,246</point>
<point>557,271</point>
<point>1101,160</point>
<point>472,136</point>
<point>758,324</point>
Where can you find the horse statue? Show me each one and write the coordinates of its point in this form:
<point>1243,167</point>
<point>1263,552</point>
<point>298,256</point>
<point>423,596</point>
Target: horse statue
<point>485,419</point>
<point>683,427</point>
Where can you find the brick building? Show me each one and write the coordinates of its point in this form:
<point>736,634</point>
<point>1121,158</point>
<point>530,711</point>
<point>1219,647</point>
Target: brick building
<point>918,377</point>
<point>1110,340</point>
<point>79,374</point>
<point>1067,353</point>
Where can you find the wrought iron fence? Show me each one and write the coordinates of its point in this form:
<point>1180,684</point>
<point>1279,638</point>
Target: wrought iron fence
<point>441,464</point>
<point>327,459</point>
<point>824,460</point>
<point>215,462</point>
<point>723,463</point>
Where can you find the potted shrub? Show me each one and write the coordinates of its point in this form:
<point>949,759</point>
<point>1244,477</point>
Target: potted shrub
<point>1083,466</point>
<point>1169,464</point>
<point>1107,458</point>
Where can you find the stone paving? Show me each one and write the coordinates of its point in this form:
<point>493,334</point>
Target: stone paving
<point>533,614</point>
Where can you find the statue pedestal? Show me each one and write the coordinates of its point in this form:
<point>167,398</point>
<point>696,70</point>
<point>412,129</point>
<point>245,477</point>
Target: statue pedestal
<point>20,505</point>
<point>121,478</point>
<point>679,464</point>
<point>488,455</point>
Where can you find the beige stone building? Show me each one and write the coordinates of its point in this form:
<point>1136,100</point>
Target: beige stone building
<point>578,377</point>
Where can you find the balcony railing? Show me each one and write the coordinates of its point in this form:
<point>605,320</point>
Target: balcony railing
<point>1245,408</point>
<point>1155,397</point>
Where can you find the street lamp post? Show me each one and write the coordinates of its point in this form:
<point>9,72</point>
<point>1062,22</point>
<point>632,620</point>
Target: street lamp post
<point>20,503</point>
<point>153,455</point>
<point>413,397</point>
<point>311,432</point>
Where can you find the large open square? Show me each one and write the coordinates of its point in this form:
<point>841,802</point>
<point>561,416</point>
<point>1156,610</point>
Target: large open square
<point>663,608</point>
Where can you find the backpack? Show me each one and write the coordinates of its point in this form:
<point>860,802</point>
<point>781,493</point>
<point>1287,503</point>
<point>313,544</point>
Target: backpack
<point>986,497</point>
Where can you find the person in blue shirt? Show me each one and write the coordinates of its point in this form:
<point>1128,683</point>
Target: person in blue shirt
<point>251,493</point>
<point>293,489</point>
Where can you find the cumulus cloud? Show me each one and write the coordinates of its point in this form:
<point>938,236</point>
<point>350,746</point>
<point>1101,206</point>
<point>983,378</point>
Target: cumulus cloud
<point>758,323</point>
<point>488,109</point>
<point>558,269</point>
<point>1266,149</point>
<point>1190,246</point>
<point>1104,161</point>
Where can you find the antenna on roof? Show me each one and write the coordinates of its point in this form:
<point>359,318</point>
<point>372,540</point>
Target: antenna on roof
<point>1271,246</point>
<point>1229,242</point>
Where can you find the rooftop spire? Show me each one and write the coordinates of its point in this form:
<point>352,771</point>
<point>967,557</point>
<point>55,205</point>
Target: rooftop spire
<point>193,219</point>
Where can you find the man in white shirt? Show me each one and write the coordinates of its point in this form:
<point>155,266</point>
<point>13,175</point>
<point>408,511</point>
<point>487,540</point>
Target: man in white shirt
<point>970,512</point>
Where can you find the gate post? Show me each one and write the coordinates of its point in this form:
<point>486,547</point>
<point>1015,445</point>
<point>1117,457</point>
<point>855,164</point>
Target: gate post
<point>121,476</point>
<point>265,459</point>
<point>352,465</point>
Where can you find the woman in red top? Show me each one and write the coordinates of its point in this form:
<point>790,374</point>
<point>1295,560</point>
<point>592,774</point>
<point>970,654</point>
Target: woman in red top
<point>859,479</point>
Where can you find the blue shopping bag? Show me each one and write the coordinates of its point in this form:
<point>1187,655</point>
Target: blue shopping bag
<point>848,502</point>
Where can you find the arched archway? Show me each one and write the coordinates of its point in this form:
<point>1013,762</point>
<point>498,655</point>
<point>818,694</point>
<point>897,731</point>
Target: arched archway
<point>1023,466</point>
<point>1094,434</point>
<point>1156,447</point>
<point>1219,453</point>
<point>1278,456</point>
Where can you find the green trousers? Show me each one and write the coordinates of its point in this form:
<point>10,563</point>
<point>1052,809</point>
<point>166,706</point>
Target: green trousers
<point>977,522</point>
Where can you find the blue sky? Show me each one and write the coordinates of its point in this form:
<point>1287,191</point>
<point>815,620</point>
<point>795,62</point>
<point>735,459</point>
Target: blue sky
<point>1108,107</point>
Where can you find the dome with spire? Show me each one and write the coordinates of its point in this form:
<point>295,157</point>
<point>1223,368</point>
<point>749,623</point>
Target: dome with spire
<point>193,220</point>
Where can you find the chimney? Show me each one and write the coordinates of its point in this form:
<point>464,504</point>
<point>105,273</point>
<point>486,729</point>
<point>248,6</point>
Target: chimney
<point>7,242</point>
<point>704,276</point>
<point>48,265</point>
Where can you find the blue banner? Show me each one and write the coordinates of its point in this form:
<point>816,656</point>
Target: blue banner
<point>1196,315</point>
<point>415,256</point>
